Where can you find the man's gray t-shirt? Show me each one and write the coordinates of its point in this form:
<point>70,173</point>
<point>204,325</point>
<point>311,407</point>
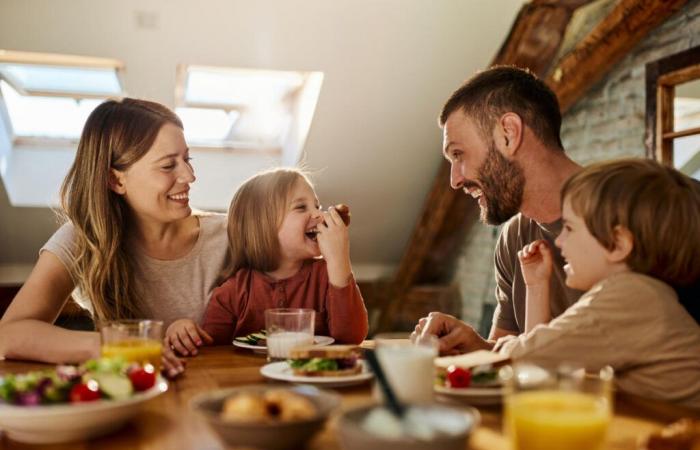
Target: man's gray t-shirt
<point>510,285</point>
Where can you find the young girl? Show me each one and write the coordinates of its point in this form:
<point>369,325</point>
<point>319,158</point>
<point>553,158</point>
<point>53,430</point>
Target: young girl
<point>276,233</point>
<point>630,231</point>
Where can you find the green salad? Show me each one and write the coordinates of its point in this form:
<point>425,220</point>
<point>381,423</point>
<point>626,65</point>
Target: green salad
<point>104,378</point>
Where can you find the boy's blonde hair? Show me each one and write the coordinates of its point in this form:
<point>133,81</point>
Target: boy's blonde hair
<point>254,217</point>
<point>659,206</point>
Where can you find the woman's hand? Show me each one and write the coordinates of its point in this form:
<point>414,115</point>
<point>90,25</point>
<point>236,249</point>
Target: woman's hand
<point>334,242</point>
<point>185,336</point>
<point>536,263</point>
<point>172,366</point>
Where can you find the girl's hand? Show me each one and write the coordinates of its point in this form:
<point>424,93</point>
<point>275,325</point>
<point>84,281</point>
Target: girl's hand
<point>172,366</point>
<point>536,263</point>
<point>334,243</point>
<point>184,336</point>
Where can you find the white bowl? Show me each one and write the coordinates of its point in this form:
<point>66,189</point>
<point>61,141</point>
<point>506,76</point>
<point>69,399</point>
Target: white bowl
<point>52,424</point>
<point>354,436</point>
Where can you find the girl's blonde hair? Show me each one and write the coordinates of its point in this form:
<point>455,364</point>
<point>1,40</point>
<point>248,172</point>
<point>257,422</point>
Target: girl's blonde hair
<point>254,217</point>
<point>116,135</point>
<point>659,206</point>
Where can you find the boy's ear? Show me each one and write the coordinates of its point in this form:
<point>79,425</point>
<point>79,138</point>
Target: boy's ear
<point>116,181</point>
<point>624,243</point>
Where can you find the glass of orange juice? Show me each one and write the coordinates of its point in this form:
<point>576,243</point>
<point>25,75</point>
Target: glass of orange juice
<point>137,340</point>
<point>557,408</point>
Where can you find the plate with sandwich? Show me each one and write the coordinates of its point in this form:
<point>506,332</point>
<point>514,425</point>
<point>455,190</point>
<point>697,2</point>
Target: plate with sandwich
<point>472,377</point>
<point>331,366</point>
<point>258,341</point>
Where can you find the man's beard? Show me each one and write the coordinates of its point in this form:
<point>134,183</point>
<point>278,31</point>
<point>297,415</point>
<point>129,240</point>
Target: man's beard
<point>502,183</point>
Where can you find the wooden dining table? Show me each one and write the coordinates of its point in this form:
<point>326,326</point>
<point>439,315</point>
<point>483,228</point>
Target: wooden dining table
<point>166,422</point>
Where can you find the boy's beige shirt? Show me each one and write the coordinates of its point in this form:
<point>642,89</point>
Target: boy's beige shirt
<point>631,322</point>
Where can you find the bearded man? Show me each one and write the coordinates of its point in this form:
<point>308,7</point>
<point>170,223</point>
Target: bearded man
<point>501,137</point>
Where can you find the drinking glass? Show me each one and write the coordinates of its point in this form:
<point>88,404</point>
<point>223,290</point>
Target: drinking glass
<point>408,365</point>
<point>288,328</point>
<point>554,408</point>
<point>137,340</point>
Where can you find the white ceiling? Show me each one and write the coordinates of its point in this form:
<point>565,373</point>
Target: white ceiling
<point>388,64</point>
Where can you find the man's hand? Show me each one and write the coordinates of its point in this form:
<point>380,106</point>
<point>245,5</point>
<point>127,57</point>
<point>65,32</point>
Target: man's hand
<point>454,336</point>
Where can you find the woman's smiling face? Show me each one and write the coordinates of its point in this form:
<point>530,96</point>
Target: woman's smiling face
<point>156,187</point>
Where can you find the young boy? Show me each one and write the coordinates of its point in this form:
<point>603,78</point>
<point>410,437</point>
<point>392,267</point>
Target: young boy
<point>631,229</point>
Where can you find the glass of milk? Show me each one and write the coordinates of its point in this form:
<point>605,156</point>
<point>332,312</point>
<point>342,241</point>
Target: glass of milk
<point>288,328</point>
<point>408,365</point>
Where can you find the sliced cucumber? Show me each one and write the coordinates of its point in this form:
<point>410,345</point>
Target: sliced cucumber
<point>114,386</point>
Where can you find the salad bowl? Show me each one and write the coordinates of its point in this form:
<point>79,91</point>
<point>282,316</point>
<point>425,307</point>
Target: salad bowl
<point>31,413</point>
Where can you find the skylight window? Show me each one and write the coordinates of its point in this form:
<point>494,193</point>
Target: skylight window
<point>49,96</point>
<point>46,117</point>
<point>245,108</point>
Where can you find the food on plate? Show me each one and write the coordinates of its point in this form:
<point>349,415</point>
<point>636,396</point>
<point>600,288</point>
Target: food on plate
<point>475,369</point>
<point>681,435</point>
<point>259,338</point>
<point>329,361</point>
<point>274,405</point>
<point>105,378</point>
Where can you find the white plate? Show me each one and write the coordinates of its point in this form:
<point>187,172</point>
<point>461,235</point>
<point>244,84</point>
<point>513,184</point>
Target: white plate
<point>473,395</point>
<point>319,341</point>
<point>282,372</point>
<point>51,424</point>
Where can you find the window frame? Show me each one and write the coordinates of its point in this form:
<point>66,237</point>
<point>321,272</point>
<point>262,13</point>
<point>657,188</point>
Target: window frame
<point>662,77</point>
<point>55,60</point>
<point>235,146</point>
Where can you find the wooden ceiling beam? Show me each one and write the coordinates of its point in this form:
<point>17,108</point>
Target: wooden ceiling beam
<point>592,58</point>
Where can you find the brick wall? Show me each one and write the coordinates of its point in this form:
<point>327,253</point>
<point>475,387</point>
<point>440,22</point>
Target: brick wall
<point>607,123</point>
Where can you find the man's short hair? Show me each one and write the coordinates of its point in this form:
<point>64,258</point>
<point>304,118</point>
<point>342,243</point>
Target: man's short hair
<point>493,92</point>
<point>658,205</point>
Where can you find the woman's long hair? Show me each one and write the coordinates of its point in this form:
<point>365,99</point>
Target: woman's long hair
<point>254,217</point>
<point>116,135</point>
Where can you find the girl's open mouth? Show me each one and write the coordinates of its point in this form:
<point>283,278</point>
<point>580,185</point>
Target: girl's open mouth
<point>311,234</point>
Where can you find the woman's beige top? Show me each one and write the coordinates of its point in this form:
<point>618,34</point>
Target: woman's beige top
<point>172,289</point>
<point>631,322</point>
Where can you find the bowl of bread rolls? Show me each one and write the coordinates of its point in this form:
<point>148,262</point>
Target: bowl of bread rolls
<point>266,416</point>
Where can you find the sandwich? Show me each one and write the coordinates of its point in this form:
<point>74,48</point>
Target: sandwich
<point>475,369</point>
<point>329,361</point>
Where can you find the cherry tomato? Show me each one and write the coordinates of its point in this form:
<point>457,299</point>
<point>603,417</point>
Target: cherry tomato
<point>85,392</point>
<point>458,377</point>
<point>143,378</point>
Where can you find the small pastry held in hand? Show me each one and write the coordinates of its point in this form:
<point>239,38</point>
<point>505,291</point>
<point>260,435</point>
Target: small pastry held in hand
<point>344,211</point>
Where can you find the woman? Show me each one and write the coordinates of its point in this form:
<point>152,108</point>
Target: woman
<point>131,246</point>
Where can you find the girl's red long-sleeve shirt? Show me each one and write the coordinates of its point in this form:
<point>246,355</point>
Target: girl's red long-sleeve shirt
<point>237,307</point>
